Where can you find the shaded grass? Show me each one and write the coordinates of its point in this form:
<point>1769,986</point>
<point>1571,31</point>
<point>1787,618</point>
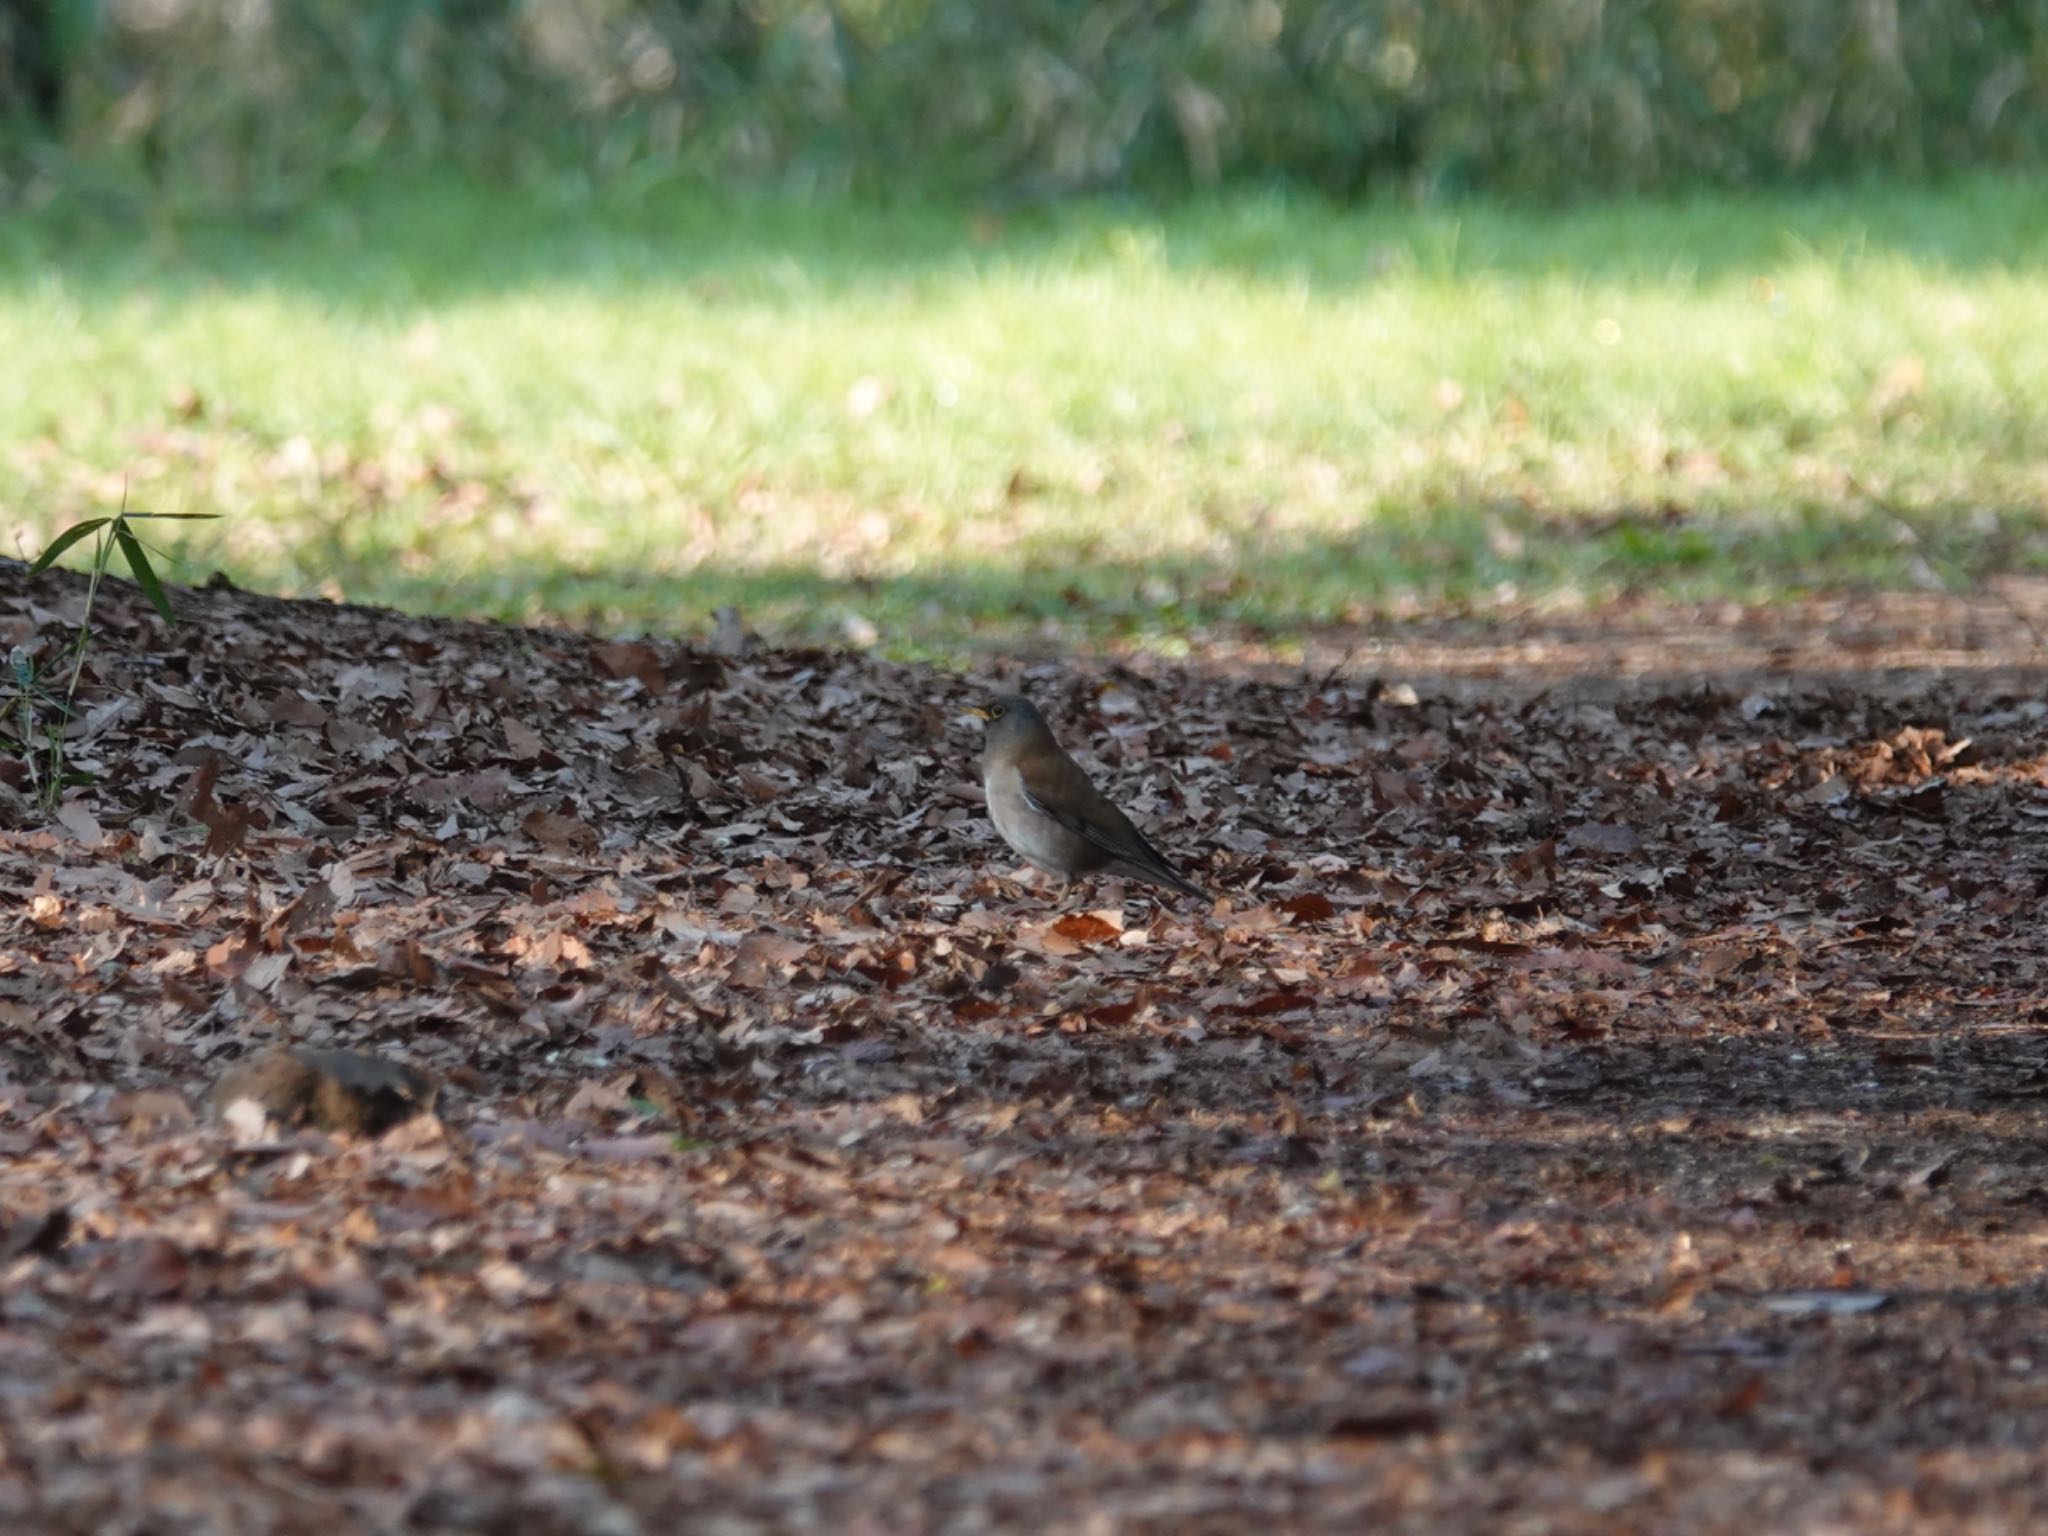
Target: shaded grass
<point>1097,422</point>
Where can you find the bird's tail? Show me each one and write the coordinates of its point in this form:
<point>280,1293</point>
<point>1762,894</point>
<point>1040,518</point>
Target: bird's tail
<point>1161,873</point>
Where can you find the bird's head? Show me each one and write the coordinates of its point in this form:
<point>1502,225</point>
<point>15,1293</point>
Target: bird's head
<point>1012,721</point>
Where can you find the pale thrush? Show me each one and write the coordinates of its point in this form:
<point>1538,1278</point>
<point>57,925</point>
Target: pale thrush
<point>1046,809</point>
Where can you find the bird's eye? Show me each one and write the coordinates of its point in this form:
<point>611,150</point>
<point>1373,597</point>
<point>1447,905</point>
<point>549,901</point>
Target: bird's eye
<point>995,712</point>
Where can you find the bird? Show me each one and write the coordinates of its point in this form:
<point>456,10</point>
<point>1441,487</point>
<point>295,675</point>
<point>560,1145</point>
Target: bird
<point>334,1090</point>
<point>1046,809</point>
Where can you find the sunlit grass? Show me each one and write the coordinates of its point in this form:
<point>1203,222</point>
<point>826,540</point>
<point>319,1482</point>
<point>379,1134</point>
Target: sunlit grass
<point>1092,422</point>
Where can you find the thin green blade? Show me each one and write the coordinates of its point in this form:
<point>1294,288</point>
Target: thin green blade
<point>145,574</point>
<point>65,540</point>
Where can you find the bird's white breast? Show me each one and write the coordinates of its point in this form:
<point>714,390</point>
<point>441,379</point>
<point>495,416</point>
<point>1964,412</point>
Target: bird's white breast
<point>1037,838</point>
<point>1004,787</point>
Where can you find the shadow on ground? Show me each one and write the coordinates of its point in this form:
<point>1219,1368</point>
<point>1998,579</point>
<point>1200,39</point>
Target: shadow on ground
<point>1496,568</point>
<point>388,247</point>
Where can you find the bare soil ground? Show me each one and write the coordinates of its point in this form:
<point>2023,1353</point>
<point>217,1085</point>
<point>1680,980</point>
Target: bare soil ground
<point>1608,1095</point>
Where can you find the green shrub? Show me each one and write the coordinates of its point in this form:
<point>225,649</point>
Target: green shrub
<point>1541,96</point>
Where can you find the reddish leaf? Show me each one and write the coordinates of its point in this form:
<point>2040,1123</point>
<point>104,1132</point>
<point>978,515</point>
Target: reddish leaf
<point>1085,928</point>
<point>1272,1002</point>
<point>633,659</point>
<point>1308,907</point>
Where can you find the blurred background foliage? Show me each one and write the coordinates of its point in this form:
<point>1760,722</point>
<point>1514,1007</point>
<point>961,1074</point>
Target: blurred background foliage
<point>257,98</point>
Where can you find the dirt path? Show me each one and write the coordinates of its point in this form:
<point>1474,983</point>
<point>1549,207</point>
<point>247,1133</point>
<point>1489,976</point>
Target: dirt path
<point>1610,1098</point>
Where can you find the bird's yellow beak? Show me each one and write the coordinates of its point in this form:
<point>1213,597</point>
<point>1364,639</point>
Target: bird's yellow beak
<point>980,711</point>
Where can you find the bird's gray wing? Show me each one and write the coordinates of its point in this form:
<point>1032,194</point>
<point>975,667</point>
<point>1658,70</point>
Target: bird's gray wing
<point>1104,825</point>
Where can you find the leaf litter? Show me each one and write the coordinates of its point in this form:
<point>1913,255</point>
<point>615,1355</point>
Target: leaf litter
<point>1616,1102</point>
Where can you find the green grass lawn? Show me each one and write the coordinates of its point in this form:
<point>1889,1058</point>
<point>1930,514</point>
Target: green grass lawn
<point>1099,423</point>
